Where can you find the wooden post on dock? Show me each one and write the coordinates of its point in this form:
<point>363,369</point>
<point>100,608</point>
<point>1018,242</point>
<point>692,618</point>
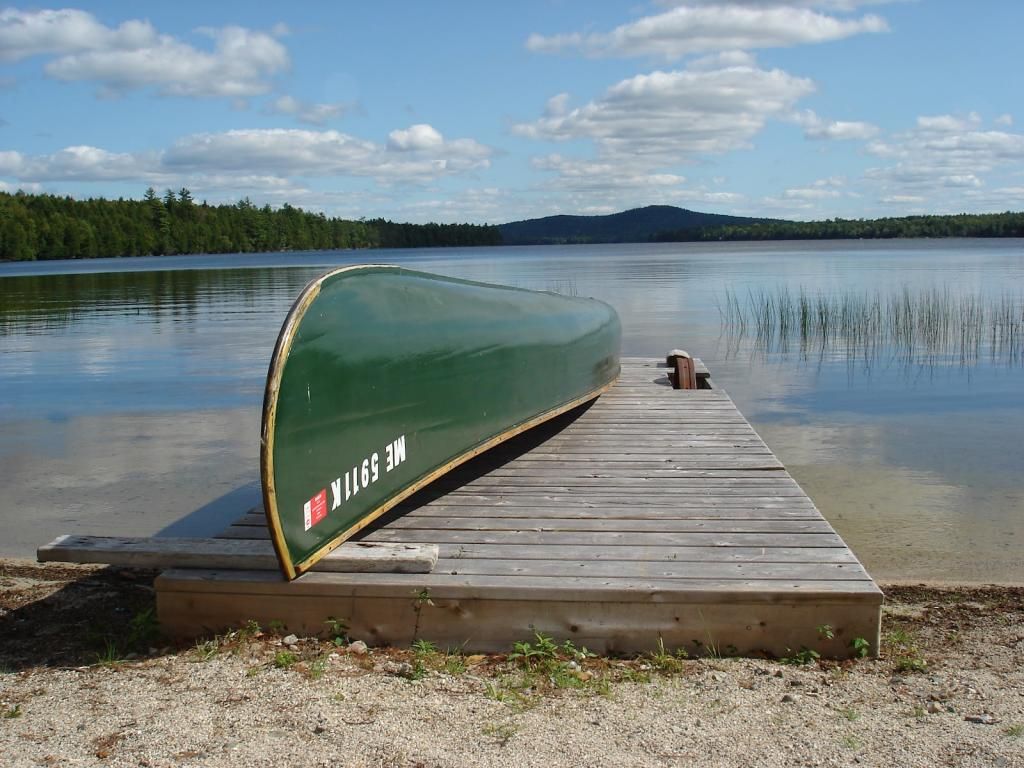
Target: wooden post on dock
<point>685,371</point>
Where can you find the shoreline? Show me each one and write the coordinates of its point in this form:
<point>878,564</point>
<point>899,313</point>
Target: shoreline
<point>85,679</point>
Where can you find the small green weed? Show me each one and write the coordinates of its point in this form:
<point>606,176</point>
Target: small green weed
<point>900,636</point>
<point>632,675</point>
<point>802,657</point>
<point>861,647</point>
<point>421,600</point>
<point>709,649</point>
<point>13,712</point>
<point>337,630</point>
<point>1014,731</point>
<point>110,656</point>
<point>851,742</point>
<point>454,664</point>
<point>317,668</point>
<point>911,664</point>
<point>424,648</point>
<point>849,713</point>
<point>664,661</point>
<point>424,658</point>
<point>207,649</point>
<point>529,654</point>
<point>285,659</point>
<point>565,676</point>
<point>502,690</point>
<point>493,690</point>
<point>905,651</point>
<point>825,632</point>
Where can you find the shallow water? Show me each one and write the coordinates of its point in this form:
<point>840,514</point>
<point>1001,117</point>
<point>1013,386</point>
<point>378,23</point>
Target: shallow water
<point>130,389</point>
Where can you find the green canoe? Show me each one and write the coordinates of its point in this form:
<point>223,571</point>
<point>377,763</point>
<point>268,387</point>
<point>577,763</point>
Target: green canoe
<point>383,379</point>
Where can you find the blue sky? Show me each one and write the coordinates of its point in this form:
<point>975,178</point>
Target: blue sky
<point>488,112</point>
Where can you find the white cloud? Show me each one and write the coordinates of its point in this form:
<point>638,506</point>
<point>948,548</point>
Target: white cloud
<point>811,193</point>
<point>947,163</point>
<point>304,111</point>
<point>903,199</point>
<point>723,60</point>
<point>614,184</point>
<point>1004,120</point>
<point>32,33</point>
<point>945,151</point>
<point>819,128</point>
<point>12,188</point>
<point>688,30</point>
<point>948,123</point>
<point>831,181</point>
<point>831,5</point>
<point>134,55</point>
<point>593,175</point>
<point>276,151</point>
<point>420,136</point>
<point>79,163</point>
<point>557,105</point>
<point>256,157</point>
<point>476,204</point>
<point>676,116</point>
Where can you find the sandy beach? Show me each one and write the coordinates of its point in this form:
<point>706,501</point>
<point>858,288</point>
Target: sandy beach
<point>86,679</point>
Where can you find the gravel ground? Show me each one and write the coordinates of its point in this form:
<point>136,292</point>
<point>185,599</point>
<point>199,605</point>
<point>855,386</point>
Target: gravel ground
<point>85,680</point>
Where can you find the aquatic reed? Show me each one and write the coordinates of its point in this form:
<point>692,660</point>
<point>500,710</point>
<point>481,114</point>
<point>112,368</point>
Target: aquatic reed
<point>925,325</point>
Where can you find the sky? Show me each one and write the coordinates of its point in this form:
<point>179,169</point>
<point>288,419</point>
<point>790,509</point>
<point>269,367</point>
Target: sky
<point>470,111</point>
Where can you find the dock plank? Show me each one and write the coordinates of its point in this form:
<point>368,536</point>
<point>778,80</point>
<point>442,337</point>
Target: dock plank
<point>234,554</point>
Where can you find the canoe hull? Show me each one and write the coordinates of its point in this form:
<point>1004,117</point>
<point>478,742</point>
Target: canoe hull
<point>384,379</point>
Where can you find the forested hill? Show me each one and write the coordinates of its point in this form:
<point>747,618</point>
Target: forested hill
<point>49,227</point>
<point>634,226</point>
<point>959,225</point>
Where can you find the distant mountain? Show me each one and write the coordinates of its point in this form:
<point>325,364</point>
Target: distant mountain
<point>636,226</point>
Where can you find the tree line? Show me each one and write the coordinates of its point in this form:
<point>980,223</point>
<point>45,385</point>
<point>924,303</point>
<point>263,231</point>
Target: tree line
<point>51,227</point>
<point>961,225</point>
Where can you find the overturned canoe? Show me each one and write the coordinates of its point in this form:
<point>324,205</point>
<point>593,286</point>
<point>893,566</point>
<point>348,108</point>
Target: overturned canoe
<point>383,379</point>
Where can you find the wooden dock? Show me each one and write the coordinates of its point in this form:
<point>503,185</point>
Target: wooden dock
<point>651,515</point>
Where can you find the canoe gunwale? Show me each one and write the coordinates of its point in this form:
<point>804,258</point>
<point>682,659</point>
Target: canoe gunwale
<point>282,348</point>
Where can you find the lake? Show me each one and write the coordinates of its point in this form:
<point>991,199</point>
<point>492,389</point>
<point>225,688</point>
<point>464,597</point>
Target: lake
<point>130,389</point>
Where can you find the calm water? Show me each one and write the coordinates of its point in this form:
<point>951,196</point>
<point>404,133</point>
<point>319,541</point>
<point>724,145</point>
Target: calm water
<point>130,389</point>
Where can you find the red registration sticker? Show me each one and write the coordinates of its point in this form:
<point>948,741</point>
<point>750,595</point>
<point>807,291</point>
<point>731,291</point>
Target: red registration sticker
<point>315,510</point>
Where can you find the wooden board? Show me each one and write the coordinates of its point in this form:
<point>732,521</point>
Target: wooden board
<point>237,554</point>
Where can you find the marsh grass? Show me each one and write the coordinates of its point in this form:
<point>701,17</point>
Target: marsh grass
<point>927,326</point>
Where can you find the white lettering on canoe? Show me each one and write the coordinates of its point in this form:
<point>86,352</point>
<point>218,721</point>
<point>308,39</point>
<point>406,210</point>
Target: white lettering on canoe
<point>362,475</point>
